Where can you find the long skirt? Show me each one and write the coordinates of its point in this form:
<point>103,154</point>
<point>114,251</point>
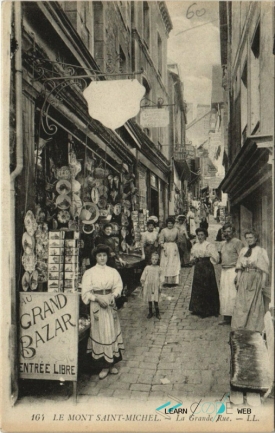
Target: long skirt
<point>184,252</point>
<point>149,250</point>
<point>249,306</point>
<point>105,341</point>
<point>204,296</point>
<point>170,263</point>
<point>227,291</point>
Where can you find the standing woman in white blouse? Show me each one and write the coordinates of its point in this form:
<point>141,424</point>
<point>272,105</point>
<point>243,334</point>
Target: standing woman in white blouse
<point>205,296</point>
<point>252,272</point>
<point>101,284</point>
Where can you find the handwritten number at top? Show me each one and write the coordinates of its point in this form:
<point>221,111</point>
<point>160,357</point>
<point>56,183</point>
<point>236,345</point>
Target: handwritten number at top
<point>190,13</point>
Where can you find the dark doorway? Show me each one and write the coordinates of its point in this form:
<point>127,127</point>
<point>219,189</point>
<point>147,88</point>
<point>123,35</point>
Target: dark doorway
<point>154,202</point>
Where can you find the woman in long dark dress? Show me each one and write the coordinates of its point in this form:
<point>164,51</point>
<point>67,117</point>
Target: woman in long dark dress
<point>205,296</point>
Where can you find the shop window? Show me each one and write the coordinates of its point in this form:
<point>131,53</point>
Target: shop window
<point>244,102</point>
<point>146,24</point>
<point>255,79</point>
<point>160,60</point>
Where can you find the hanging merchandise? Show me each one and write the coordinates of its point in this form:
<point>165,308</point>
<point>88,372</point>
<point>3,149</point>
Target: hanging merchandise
<point>116,181</point>
<point>63,216</point>
<point>30,223</point>
<point>76,186</point>
<point>95,195</point>
<point>28,243</point>
<point>111,180</point>
<point>100,172</point>
<point>63,187</point>
<point>26,281</point>
<point>89,213</point>
<point>29,262</point>
<point>63,202</point>
<point>63,173</point>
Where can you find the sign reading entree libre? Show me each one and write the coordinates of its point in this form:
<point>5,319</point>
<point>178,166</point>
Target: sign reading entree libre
<point>48,340</point>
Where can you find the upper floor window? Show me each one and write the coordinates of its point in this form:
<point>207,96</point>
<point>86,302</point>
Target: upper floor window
<point>146,24</point>
<point>159,54</point>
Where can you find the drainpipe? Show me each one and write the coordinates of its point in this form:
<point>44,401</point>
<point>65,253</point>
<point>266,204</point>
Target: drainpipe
<point>13,345</point>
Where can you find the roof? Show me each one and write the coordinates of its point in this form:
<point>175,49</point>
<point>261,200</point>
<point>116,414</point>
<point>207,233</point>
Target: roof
<point>165,16</point>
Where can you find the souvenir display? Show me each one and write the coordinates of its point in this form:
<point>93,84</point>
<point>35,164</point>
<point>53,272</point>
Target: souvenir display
<point>111,180</point>
<point>34,280</point>
<point>71,257</point>
<point>29,262</point>
<point>63,202</point>
<point>101,173</point>
<point>95,195</point>
<point>63,216</point>
<point>56,260</point>
<point>117,209</point>
<point>116,181</point>
<point>63,173</point>
<point>30,223</point>
<point>76,186</point>
<point>63,187</point>
<point>26,281</point>
<point>102,203</point>
<point>28,243</point>
<point>89,213</point>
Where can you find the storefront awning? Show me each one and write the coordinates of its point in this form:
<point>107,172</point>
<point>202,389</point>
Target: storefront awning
<point>183,170</point>
<point>248,171</point>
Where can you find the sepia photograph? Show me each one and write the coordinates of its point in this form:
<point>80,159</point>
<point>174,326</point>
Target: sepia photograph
<point>137,216</point>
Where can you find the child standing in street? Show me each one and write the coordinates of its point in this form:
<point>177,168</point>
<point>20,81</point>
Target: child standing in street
<point>151,281</point>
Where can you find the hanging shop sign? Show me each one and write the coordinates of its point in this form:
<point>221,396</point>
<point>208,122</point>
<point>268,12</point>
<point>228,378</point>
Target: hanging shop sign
<point>48,336</point>
<point>113,102</point>
<point>154,117</point>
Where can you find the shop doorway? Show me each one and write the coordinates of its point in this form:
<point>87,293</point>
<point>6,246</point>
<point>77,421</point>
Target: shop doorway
<point>154,202</point>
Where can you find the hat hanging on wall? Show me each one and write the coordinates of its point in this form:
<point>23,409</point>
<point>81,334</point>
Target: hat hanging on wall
<point>63,187</point>
<point>89,213</point>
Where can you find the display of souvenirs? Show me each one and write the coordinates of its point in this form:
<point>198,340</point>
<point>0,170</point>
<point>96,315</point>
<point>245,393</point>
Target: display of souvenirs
<point>63,173</point>
<point>29,262</point>
<point>63,187</point>
<point>30,223</point>
<point>76,186</point>
<point>71,265</point>
<point>56,261</point>
<point>63,202</point>
<point>89,213</point>
<point>95,195</point>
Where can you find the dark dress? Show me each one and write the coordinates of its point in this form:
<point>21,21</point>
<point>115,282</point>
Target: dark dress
<point>205,296</point>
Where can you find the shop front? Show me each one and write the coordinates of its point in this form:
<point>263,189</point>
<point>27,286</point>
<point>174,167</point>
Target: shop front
<point>75,176</point>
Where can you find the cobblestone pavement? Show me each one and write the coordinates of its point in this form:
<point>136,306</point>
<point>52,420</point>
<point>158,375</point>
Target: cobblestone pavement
<point>192,353</point>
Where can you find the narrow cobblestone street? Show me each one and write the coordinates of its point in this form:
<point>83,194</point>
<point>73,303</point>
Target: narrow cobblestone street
<point>191,352</point>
